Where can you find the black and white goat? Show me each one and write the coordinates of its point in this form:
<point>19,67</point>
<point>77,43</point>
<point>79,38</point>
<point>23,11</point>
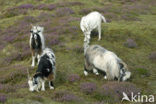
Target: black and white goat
<point>91,21</point>
<point>98,58</point>
<point>37,43</point>
<point>46,71</point>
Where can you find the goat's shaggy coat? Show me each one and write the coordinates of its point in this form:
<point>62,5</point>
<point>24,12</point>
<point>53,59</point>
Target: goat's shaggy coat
<point>37,42</point>
<point>46,71</point>
<point>98,58</point>
<point>91,21</point>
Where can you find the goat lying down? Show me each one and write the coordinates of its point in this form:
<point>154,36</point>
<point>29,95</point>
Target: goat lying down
<point>91,21</point>
<point>37,43</point>
<point>98,58</point>
<point>46,71</point>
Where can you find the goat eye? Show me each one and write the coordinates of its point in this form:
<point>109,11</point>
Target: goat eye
<point>31,31</point>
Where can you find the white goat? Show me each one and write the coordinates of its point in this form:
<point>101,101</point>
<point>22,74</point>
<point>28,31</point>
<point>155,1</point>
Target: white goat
<point>91,21</point>
<point>37,42</point>
<point>98,58</point>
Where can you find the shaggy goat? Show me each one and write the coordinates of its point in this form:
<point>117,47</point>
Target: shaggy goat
<point>46,71</point>
<point>98,58</point>
<point>37,43</point>
<point>91,21</point>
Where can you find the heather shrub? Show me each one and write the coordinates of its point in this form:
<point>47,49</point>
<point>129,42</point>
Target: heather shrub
<point>46,6</point>
<point>152,55</point>
<point>7,88</point>
<point>112,92</point>
<point>119,87</point>
<point>25,6</point>
<point>43,16</point>
<point>19,72</point>
<point>130,43</point>
<point>14,12</point>
<point>65,96</point>
<point>3,98</point>
<point>64,11</point>
<point>73,78</point>
<point>67,4</point>
<point>88,87</point>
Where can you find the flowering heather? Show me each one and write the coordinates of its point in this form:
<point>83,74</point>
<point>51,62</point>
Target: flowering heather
<point>11,12</point>
<point>66,20</point>
<point>15,56</point>
<point>118,88</point>
<point>152,56</point>
<point>3,98</point>
<point>65,96</point>
<point>20,71</point>
<point>7,88</point>
<point>88,87</point>
<point>130,43</point>
<point>64,11</point>
<point>23,49</point>
<point>46,6</point>
<point>45,17</point>
<point>129,17</point>
<point>25,6</point>
<point>85,11</point>
<point>67,4</point>
<point>73,77</point>
<point>136,9</point>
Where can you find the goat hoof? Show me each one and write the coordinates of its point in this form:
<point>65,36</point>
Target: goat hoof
<point>52,88</point>
<point>42,89</point>
<point>97,73</point>
<point>85,73</point>
<point>32,65</point>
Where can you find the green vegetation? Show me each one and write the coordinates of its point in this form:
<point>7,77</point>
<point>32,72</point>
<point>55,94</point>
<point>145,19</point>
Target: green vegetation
<point>127,19</point>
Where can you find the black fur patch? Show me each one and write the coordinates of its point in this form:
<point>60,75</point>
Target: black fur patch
<point>121,65</point>
<point>45,64</point>
<point>39,43</point>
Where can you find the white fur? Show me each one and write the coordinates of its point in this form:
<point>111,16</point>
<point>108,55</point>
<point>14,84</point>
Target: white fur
<point>96,57</point>
<point>35,29</point>
<point>91,21</point>
<point>85,73</point>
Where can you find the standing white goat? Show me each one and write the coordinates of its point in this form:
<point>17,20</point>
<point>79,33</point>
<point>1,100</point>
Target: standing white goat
<point>98,58</point>
<point>37,42</point>
<point>91,21</point>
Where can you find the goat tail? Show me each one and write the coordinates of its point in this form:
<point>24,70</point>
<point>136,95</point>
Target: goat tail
<point>103,18</point>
